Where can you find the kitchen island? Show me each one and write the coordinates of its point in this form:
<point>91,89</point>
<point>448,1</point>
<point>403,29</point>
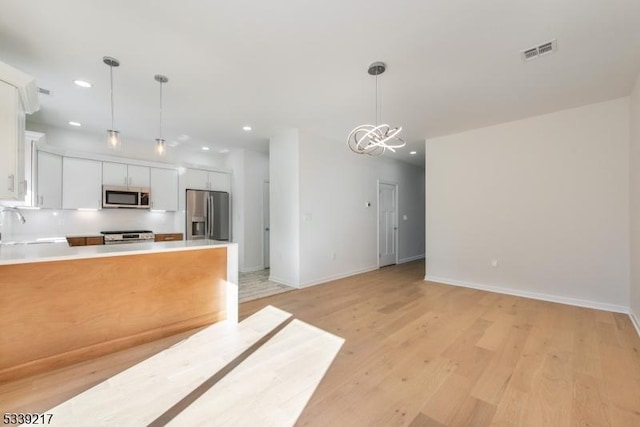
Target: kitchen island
<point>62,305</point>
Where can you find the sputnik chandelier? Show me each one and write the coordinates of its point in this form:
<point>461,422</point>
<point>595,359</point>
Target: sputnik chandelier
<point>375,140</point>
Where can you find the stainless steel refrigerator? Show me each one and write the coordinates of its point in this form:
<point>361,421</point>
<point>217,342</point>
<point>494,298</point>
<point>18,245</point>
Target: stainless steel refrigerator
<point>208,215</point>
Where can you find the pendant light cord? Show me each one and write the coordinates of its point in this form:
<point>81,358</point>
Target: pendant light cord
<point>160,126</point>
<point>111,74</point>
<point>377,111</point>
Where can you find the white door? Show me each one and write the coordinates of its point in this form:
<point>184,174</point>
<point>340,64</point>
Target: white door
<point>265,222</point>
<point>387,224</point>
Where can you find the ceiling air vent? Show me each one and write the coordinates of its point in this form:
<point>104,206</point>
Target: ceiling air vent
<point>540,50</point>
<point>44,91</point>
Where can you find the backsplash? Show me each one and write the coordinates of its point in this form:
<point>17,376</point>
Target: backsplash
<point>47,223</point>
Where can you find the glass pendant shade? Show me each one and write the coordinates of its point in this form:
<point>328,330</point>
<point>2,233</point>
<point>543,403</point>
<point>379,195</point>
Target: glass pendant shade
<point>113,139</point>
<point>160,147</point>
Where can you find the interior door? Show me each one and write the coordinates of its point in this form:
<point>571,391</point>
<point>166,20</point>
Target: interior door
<point>387,224</point>
<point>265,223</point>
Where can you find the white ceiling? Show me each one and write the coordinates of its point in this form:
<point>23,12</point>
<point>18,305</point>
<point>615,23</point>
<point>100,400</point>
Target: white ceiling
<point>452,65</point>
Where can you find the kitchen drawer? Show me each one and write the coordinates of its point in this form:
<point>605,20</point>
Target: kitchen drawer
<point>168,237</point>
<point>95,240</point>
<point>85,240</point>
<point>77,241</point>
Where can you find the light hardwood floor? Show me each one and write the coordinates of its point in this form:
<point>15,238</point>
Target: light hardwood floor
<point>425,354</point>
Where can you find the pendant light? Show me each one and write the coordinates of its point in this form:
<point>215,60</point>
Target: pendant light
<point>375,139</point>
<point>160,142</point>
<point>113,136</point>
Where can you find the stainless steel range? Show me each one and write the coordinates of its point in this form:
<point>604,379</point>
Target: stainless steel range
<point>134,236</point>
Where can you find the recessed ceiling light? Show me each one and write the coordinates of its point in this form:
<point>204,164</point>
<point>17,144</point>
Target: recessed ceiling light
<point>82,83</point>
<point>205,148</point>
<point>223,151</point>
<point>413,152</point>
<point>76,124</point>
<point>246,128</point>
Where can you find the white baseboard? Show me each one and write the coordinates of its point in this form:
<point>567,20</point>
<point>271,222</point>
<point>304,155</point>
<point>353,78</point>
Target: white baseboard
<point>534,295</point>
<point>411,258</point>
<point>252,269</point>
<point>635,321</point>
<point>338,276</point>
<point>283,282</point>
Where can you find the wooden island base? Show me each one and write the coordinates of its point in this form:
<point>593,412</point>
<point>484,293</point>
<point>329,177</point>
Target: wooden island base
<point>58,313</point>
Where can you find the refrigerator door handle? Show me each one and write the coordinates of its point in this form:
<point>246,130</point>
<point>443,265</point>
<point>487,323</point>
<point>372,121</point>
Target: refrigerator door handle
<point>212,218</point>
<point>206,216</point>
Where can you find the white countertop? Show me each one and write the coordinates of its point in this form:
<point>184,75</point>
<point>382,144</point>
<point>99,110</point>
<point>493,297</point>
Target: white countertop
<point>42,252</point>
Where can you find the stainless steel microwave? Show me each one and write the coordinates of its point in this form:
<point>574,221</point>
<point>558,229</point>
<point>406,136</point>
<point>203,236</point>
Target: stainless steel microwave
<point>125,197</point>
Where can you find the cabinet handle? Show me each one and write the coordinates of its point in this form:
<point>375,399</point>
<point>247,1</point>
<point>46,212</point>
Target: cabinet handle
<point>11,183</point>
<point>41,200</point>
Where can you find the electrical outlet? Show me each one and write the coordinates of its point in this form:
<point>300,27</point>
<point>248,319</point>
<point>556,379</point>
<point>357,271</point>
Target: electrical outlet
<point>494,262</point>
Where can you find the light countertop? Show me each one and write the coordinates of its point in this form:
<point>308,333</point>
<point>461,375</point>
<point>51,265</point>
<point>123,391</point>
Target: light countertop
<point>43,252</point>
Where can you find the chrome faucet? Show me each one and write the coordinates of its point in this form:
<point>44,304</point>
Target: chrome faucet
<point>15,211</point>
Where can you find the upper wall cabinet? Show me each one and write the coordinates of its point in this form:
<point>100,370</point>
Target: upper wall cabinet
<point>10,140</point>
<point>18,95</point>
<point>81,183</point>
<point>197,179</point>
<point>49,181</point>
<point>164,189</point>
<point>125,175</point>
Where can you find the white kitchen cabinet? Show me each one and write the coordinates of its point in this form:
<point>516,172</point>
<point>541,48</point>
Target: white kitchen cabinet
<point>220,181</point>
<point>18,95</point>
<point>81,183</point>
<point>49,181</point>
<point>164,189</point>
<point>11,143</point>
<point>198,179</point>
<point>125,175</point>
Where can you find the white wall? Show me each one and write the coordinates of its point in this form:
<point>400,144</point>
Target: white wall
<point>319,192</point>
<point>285,207</point>
<point>547,197</point>
<point>338,233</point>
<point>634,166</point>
